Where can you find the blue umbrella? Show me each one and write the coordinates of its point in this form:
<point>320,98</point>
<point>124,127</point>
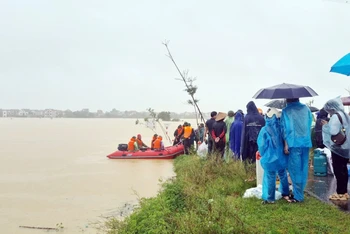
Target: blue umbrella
<point>287,91</point>
<point>342,66</point>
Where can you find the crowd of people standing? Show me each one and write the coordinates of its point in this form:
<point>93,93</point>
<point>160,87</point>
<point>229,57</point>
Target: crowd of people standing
<point>282,140</point>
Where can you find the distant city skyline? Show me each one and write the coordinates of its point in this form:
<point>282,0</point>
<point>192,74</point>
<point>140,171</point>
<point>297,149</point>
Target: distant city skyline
<point>86,113</point>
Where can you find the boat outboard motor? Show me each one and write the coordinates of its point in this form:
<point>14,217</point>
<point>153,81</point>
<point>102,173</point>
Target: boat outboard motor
<point>123,147</point>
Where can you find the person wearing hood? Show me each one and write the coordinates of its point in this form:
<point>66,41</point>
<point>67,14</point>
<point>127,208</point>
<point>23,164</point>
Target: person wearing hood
<point>228,121</point>
<point>236,134</point>
<point>296,122</point>
<point>336,137</point>
<point>132,145</point>
<point>252,124</point>
<point>218,134</point>
<point>272,158</point>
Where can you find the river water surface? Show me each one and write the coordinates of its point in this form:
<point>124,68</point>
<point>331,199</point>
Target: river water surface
<point>56,171</point>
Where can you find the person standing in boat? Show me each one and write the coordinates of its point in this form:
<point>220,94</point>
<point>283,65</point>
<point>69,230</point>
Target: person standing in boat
<point>132,145</point>
<point>155,136</point>
<point>140,142</point>
<point>158,144</point>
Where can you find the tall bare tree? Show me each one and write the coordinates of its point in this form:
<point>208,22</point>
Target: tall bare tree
<point>191,89</point>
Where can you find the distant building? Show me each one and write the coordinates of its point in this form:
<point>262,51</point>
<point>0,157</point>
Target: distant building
<point>100,113</point>
<point>49,113</point>
<point>4,113</point>
<point>23,113</point>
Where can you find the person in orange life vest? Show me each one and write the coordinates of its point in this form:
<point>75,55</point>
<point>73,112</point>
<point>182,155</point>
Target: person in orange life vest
<point>218,133</point>
<point>132,145</point>
<point>153,140</point>
<point>177,134</point>
<point>187,133</point>
<point>158,144</point>
<point>140,142</point>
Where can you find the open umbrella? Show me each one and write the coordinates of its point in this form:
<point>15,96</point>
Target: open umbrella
<point>342,66</point>
<point>287,91</point>
<point>280,104</point>
<point>346,101</point>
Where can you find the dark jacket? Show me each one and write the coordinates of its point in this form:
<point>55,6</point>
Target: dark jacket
<point>252,124</point>
<point>219,130</point>
<point>322,115</point>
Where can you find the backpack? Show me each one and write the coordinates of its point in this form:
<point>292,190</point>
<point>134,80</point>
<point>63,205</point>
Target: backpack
<point>123,147</point>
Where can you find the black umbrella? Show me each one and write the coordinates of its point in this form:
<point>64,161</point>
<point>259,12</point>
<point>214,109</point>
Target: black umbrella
<point>287,91</point>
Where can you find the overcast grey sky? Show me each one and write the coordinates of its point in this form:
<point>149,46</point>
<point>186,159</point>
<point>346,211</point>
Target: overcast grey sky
<point>108,54</point>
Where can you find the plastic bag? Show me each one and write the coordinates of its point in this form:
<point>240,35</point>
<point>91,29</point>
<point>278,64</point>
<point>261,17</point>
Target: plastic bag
<point>257,192</point>
<point>202,150</point>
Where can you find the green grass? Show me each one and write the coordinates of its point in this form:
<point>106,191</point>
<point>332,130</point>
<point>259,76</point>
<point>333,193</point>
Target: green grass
<point>206,197</point>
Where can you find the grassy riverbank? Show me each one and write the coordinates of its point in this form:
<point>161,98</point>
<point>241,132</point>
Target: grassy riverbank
<point>206,197</point>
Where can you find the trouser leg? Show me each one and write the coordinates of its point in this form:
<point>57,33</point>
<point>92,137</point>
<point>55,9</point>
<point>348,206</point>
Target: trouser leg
<point>341,173</point>
<point>284,185</point>
<point>298,170</point>
<point>269,186</point>
<point>187,145</point>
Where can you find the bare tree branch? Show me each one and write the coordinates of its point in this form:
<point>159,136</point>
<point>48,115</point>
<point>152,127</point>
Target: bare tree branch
<point>188,81</point>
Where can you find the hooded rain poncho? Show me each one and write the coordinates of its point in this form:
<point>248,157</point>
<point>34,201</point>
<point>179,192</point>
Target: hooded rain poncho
<point>236,134</point>
<point>333,127</point>
<point>270,145</point>
<point>296,122</point>
<point>296,128</point>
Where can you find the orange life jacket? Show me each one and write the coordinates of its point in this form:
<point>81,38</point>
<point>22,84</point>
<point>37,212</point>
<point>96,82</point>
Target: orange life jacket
<point>139,142</point>
<point>131,146</point>
<point>187,132</point>
<point>179,131</point>
<point>157,143</point>
<point>152,142</point>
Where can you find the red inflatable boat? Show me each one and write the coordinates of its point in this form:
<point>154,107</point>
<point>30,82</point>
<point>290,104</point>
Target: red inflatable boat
<point>169,152</point>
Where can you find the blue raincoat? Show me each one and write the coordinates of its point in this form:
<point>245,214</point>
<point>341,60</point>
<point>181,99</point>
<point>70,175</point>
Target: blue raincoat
<point>236,134</point>
<point>273,160</point>
<point>296,120</point>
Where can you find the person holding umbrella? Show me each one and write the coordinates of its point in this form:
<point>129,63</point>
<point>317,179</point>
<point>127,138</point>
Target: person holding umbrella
<point>296,120</point>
